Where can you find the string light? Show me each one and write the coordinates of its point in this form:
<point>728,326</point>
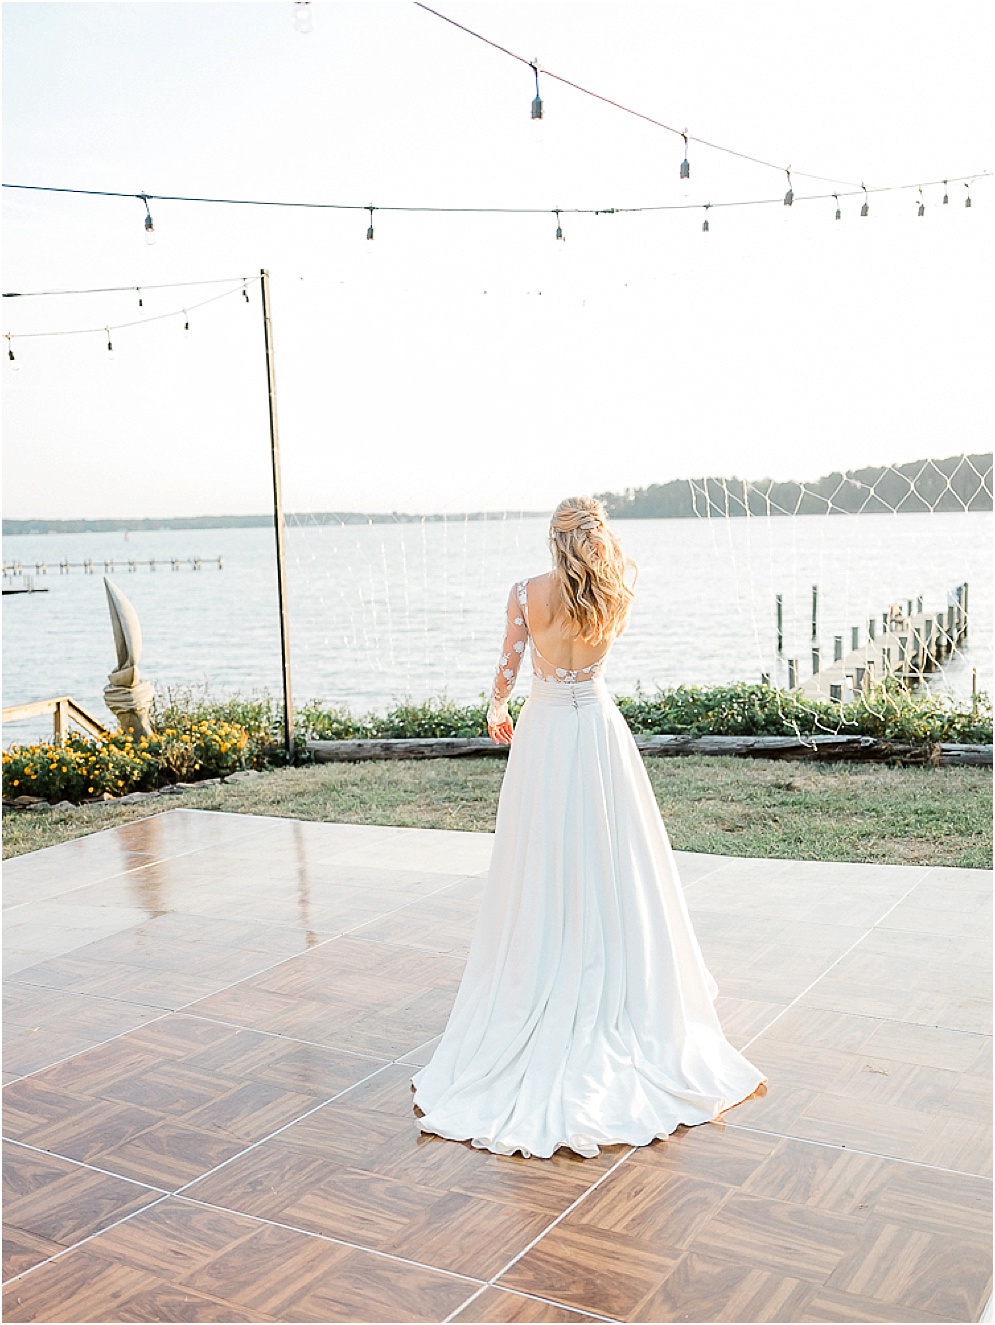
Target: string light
<point>922,205</point>
<point>537,103</point>
<point>245,294</point>
<point>839,214</point>
<point>302,17</point>
<point>789,197</point>
<point>107,330</point>
<point>369,232</point>
<point>150,235</point>
<point>480,211</point>
<point>967,200</point>
<point>866,209</point>
<point>685,164</point>
<point>559,229</point>
<point>946,196</point>
<point>704,224</point>
<point>141,303</point>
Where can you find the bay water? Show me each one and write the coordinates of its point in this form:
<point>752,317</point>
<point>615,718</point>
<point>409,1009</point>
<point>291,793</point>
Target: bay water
<point>384,612</point>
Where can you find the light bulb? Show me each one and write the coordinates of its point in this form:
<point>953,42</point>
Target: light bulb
<point>302,17</point>
<point>150,234</point>
<point>111,356</point>
<point>789,197</point>
<point>15,366</point>
<point>946,196</point>
<point>537,100</point>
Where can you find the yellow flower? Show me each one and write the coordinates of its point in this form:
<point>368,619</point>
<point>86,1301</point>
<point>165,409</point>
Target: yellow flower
<point>17,782</point>
<point>90,790</point>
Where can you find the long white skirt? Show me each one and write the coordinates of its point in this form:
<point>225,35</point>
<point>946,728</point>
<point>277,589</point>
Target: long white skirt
<point>586,1013</point>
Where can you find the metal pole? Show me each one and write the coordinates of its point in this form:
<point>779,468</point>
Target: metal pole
<point>281,579</point>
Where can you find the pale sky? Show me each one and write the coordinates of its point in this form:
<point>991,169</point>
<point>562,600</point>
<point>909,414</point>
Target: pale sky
<point>472,362</point>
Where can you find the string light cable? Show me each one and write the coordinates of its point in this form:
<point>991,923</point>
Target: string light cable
<point>125,289</point>
<point>106,329</point>
<point>858,191</point>
<point>681,133</point>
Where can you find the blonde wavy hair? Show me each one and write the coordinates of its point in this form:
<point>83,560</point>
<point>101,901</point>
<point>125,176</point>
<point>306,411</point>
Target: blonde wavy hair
<point>589,565</point>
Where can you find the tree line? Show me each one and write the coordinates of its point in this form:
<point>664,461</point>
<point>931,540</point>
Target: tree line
<point>958,483</point>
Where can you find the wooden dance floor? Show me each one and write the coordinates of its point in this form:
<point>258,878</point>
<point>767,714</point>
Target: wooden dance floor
<point>211,1021</point>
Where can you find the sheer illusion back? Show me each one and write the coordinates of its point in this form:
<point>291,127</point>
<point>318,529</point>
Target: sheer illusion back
<point>518,636</point>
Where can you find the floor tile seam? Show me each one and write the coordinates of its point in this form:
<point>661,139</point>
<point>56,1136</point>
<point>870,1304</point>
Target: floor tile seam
<point>533,1297</point>
<point>64,1251</point>
<point>832,966</point>
<point>254,1145</point>
<point>856,1150</point>
<point>100,1044</point>
<point>327,1237</point>
<point>882,1019</point>
<point>85,1164</point>
<point>78,993</point>
<point>897,1021</point>
<point>120,874</point>
<point>273,1035</point>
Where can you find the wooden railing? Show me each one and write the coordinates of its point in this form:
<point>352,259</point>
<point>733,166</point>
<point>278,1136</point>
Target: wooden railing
<point>64,710</point>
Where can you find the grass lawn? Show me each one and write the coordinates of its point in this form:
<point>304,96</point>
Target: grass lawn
<point>727,806</point>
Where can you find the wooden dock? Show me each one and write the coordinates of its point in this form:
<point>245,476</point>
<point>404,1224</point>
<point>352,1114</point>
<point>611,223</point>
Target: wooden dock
<point>907,644</point>
<point>91,566</point>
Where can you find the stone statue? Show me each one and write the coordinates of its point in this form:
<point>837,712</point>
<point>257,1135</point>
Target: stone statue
<point>128,697</point>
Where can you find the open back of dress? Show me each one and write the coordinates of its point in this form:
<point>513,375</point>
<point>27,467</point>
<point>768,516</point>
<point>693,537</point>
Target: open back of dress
<point>586,1014</point>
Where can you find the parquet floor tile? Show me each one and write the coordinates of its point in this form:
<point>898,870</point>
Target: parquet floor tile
<point>598,1271</point>
<point>706,1287</point>
<point>931,1271</point>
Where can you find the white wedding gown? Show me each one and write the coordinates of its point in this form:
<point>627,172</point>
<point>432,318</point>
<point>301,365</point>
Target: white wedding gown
<point>586,1014</point>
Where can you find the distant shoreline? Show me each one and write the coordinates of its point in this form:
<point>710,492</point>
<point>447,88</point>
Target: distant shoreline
<point>956,483</point>
<point>37,528</point>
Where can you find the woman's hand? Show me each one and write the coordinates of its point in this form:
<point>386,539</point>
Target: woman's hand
<point>499,726</point>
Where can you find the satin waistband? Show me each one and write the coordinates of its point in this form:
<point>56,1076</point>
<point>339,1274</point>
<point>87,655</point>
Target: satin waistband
<point>572,694</point>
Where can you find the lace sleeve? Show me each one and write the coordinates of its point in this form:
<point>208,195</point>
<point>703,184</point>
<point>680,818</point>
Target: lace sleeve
<point>516,636</point>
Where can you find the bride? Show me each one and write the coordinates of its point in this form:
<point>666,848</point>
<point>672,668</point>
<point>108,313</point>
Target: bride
<point>586,1015</point>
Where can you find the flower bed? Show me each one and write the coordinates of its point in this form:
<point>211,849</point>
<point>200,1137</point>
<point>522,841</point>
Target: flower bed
<point>86,769</point>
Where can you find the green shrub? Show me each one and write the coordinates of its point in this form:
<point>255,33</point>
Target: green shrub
<point>198,737</point>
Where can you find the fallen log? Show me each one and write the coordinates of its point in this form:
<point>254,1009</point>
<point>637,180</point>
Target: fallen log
<point>823,747</point>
